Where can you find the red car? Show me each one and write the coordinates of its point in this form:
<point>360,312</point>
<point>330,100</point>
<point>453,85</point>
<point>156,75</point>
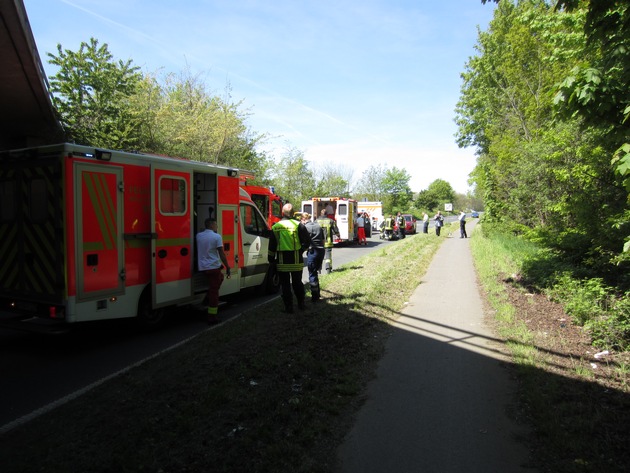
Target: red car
<point>410,224</point>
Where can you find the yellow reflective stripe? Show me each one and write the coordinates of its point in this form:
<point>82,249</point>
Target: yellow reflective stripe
<point>290,267</point>
<point>93,246</point>
<point>99,197</point>
<point>109,209</point>
<point>173,241</point>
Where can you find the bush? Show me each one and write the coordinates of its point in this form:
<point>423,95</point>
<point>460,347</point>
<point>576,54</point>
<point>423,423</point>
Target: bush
<point>612,330</point>
<point>583,300</point>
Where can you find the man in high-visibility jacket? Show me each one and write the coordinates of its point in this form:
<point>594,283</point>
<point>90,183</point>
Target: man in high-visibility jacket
<point>389,227</point>
<point>402,225</point>
<point>330,229</point>
<point>291,239</point>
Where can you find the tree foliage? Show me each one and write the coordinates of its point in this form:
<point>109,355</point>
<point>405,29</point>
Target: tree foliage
<point>370,185</point>
<point>107,103</point>
<point>293,177</point>
<point>544,173</point>
<point>397,193</point>
<point>92,93</point>
<point>333,181</point>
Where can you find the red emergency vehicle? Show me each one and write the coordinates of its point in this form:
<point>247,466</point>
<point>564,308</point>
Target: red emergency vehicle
<point>268,202</point>
<point>89,234</point>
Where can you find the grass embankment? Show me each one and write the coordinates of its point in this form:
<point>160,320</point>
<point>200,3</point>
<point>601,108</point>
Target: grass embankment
<point>577,403</point>
<point>265,392</point>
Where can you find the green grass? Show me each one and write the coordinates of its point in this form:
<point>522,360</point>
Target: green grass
<point>264,392</point>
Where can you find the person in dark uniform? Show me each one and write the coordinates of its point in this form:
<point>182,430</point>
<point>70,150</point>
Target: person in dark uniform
<point>315,254</point>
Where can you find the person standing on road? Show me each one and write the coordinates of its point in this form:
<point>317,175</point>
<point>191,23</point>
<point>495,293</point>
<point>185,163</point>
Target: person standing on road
<point>388,227</point>
<point>290,240</point>
<point>330,229</point>
<point>367,225</point>
<point>439,222</point>
<point>361,230</point>
<point>400,221</point>
<point>462,225</point>
<point>210,256</point>
<point>315,254</point>
<point>425,222</point>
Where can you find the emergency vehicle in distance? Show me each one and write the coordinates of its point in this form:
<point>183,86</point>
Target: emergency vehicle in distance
<point>375,210</point>
<point>268,202</point>
<point>344,212</point>
<point>89,234</point>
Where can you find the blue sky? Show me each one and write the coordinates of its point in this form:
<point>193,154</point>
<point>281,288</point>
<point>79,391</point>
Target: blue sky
<point>351,83</point>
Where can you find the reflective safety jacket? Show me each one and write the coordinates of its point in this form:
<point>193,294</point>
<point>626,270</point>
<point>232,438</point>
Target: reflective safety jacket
<point>290,240</point>
<point>400,221</point>
<point>330,228</point>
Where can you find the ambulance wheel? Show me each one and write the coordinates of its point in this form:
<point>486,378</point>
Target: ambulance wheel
<point>147,316</point>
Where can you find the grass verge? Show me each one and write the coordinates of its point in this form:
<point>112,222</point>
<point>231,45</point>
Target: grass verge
<point>265,392</point>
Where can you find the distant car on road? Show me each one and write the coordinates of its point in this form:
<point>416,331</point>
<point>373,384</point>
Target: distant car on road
<point>410,224</point>
<point>474,214</point>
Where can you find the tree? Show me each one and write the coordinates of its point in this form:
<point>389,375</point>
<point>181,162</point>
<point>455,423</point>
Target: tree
<point>427,200</point>
<point>333,181</point>
<point>109,104</point>
<point>371,184</point>
<point>293,177</point>
<point>92,92</point>
<point>442,190</point>
<point>598,89</point>
<point>180,117</point>
<point>539,172</point>
<point>397,193</point>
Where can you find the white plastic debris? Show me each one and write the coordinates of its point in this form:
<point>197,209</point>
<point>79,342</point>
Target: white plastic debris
<point>601,353</point>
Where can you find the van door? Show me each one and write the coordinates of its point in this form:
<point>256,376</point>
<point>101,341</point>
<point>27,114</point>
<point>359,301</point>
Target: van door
<point>343,220</point>
<point>171,243</point>
<point>100,254</point>
<point>308,207</point>
<point>228,229</point>
<point>255,246</point>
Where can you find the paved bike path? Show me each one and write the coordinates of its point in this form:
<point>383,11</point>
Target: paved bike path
<point>441,396</point>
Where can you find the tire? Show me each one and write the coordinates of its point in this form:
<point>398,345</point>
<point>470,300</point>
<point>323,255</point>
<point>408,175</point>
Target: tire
<point>271,284</point>
<point>148,317</point>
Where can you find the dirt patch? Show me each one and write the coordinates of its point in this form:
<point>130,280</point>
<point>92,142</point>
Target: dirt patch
<point>567,347</point>
<point>577,397</point>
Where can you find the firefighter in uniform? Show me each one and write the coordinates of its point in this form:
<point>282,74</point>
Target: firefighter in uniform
<point>400,221</point>
<point>330,229</point>
<point>316,253</point>
<point>389,227</point>
<point>291,239</point>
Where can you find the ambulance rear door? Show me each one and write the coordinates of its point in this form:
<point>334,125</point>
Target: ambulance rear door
<point>344,220</point>
<point>171,243</point>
